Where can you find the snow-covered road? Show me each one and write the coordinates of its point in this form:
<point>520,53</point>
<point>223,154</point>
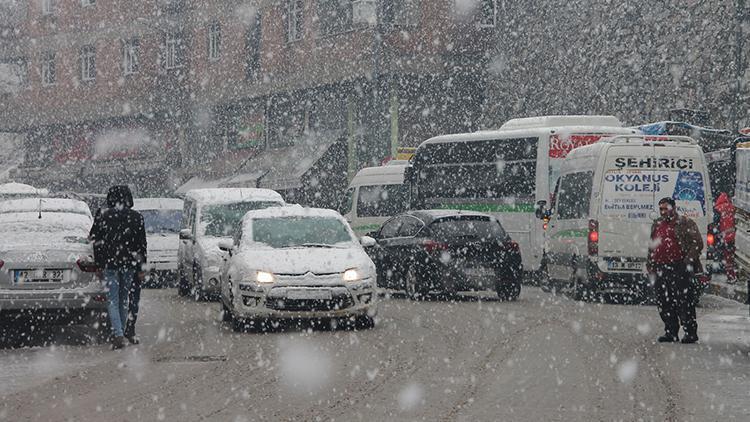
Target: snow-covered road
<point>544,357</point>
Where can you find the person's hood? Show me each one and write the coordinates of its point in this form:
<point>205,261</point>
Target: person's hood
<point>119,195</point>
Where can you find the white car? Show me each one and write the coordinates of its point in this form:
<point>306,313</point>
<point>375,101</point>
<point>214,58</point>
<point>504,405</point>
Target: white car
<point>209,216</point>
<point>47,269</point>
<point>295,262</point>
<point>161,217</point>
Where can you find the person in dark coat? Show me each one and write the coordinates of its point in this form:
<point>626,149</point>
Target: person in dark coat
<point>673,260</point>
<point>119,237</point>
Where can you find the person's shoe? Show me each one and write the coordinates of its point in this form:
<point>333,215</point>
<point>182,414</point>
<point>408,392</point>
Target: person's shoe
<point>118,342</point>
<point>133,339</point>
<point>689,339</point>
<point>666,338</point>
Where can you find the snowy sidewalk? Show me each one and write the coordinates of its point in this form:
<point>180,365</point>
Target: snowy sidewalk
<point>720,287</point>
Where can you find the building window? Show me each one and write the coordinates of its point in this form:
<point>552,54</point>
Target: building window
<point>252,49</point>
<point>173,54</point>
<point>88,63</point>
<point>295,19</point>
<point>334,16</point>
<point>48,7</point>
<point>130,50</point>
<point>487,14</point>
<point>214,41</point>
<point>49,70</point>
<point>88,2</point>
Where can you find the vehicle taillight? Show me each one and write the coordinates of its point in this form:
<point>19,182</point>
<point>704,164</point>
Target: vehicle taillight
<point>593,237</point>
<point>2,263</point>
<point>710,239</point>
<point>434,246</point>
<point>86,266</point>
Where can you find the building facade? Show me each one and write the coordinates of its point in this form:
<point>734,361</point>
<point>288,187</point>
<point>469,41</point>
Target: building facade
<point>155,91</point>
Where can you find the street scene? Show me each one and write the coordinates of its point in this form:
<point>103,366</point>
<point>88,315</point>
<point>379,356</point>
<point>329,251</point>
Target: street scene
<point>374,210</point>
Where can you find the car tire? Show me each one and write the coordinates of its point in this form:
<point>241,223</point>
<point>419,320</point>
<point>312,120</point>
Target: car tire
<point>508,290</point>
<point>183,289</point>
<point>578,289</point>
<point>364,322</point>
<point>196,291</point>
<point>412,284</point>
<point>544,280</point>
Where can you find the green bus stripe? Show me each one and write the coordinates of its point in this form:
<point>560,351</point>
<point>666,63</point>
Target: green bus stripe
<point>487,207</point>
<point>366,227</point>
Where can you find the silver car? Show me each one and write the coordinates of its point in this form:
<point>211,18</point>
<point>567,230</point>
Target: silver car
<point>47,270</point>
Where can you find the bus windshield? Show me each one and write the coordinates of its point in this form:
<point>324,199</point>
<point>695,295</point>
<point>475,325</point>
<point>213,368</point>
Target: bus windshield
<point>486,169</point>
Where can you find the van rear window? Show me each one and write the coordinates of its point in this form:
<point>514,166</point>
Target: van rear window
<point>382,200</point>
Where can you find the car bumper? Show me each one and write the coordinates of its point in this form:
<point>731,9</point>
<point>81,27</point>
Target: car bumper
<point>358,299</point>
<point>57,299</point>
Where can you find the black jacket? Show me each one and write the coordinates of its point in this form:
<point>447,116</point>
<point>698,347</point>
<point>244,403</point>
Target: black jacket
<point>118,233</point>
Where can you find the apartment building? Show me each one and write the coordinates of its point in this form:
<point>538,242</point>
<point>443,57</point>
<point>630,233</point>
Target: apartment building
<point>156,91</point>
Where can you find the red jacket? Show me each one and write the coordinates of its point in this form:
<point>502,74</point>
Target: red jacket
<point>726,217</point>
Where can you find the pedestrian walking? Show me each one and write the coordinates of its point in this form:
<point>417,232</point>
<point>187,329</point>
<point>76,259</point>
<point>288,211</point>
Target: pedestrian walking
<point>724,219</point>
<point>673,261</point>
<point>119,237</point>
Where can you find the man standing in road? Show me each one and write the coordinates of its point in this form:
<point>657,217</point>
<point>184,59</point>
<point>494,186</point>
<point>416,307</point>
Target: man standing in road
<point>673,260</point>
<point>119,237</point>
<point>724,219</point>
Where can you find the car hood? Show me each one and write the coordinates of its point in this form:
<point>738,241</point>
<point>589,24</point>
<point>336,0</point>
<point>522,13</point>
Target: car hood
<point>209,249</point>
<point>163,241</point>
<point>304,260</point>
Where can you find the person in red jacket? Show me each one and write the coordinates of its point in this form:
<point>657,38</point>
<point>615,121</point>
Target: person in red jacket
<point>724,212</point>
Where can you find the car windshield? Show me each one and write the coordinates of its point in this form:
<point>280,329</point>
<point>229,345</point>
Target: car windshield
<point>220,220</point>
<point>161,221</point>
<point>289,232</point>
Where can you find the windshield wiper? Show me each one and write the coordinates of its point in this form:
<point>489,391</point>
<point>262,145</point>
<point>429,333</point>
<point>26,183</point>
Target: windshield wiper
<point>316,245</point>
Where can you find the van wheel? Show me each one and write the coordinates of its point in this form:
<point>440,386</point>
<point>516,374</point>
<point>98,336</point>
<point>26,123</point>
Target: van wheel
<point>226,314</point>
<point>543,276</point>
<point>182,284</point>
<point>578,289</point>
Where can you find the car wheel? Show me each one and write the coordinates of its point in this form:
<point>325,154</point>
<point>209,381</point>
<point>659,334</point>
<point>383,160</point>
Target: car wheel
<point>197,289</point>
<point>364,322</point>
<point>543,276</point>
<point>412,284</point>
<point>508,289</point>
<point>183,289</point>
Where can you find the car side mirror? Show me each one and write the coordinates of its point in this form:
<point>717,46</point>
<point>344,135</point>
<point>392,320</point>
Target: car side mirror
<point>372,234</point>
<point>226,246</point>
<point>185,234</point>
<point>540,210</point>
<point>367,242</point>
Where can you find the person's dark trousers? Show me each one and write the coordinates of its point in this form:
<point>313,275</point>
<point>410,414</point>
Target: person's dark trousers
<point>134,300</point>
<point>675,299</point>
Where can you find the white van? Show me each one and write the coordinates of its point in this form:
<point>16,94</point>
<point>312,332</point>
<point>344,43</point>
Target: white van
<point>509,173</point>
<point>210,216</point>
<point>742,205</point>
<point>162,217</point>
<point>605,202</point>
<point>375,194</point>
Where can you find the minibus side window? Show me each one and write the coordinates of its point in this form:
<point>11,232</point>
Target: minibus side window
<point>574,196</point>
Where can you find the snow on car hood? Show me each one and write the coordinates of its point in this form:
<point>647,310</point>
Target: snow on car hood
<point>163,242</point>
<point>209,247</point>
<point>303,260</point>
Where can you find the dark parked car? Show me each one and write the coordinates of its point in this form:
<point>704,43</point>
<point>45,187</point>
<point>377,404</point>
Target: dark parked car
<point>446,251</point>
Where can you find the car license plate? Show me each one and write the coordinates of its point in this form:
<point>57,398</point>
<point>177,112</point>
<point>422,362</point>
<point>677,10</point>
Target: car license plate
<point>315,294</point>
<point>616,265</point>
<point>45,275</point>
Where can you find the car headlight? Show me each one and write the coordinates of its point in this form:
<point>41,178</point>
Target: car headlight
<point>352,274</point>
<point>264,277</point>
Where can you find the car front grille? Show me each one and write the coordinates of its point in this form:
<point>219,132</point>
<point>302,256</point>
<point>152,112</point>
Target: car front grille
<point>337,302</point>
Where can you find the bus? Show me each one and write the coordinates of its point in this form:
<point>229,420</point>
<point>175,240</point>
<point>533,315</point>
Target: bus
<point>509,172</point>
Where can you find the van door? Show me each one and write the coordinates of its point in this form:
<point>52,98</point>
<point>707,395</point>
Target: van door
<point>374,204</point>
<point>568,229</point>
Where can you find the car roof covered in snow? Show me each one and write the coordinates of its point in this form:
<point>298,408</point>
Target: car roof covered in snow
<point>291,211</point>
<point>157,204</point>
<point>13,188</point>
<point>232,195</point>
<point>61,205</point>
<point>382,175</point>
